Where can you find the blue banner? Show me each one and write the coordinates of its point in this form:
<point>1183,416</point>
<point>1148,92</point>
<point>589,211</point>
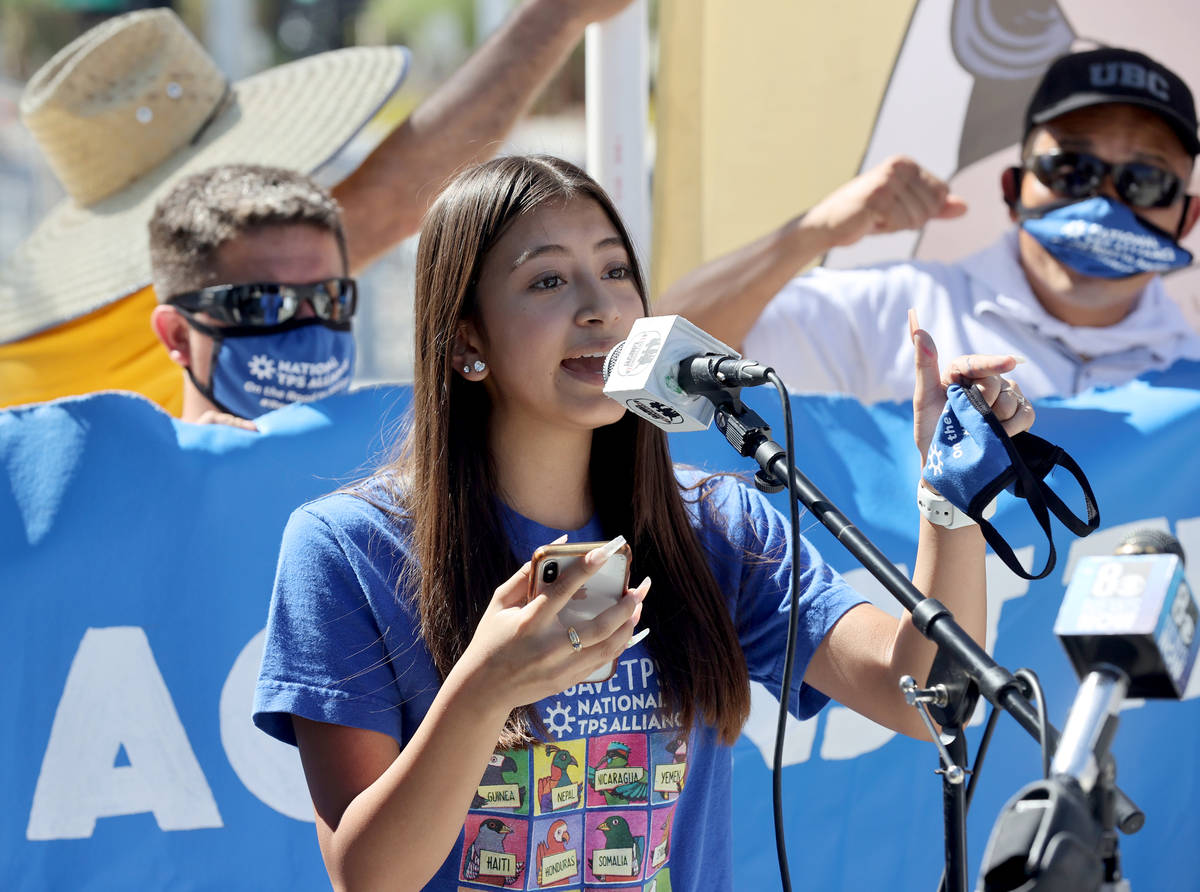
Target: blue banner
<point>136,558</point>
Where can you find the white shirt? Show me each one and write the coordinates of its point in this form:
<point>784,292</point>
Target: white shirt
<point>846,331</point>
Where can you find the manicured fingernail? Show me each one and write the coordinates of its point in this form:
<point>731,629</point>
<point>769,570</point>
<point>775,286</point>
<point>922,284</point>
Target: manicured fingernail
<point>640,636</point>
<point>560,540</point>
<point>640,592</point>
<point>1019,358</point>
<point>602,553</point>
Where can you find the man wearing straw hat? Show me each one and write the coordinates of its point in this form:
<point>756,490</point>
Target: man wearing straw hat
<point>136,104</point>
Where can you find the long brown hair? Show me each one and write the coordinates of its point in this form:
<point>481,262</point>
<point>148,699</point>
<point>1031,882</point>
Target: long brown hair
<point>445,480</point>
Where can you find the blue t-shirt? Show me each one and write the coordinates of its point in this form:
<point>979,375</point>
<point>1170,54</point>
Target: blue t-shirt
<point>621,799</point>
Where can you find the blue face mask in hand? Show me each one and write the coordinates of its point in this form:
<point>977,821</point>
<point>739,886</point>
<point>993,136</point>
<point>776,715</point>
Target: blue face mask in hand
<point>1103,238</point>
<point>257,368</point>
<point>972,459</point>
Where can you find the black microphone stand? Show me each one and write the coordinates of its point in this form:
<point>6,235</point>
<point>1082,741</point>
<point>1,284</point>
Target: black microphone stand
<point>962,670</point>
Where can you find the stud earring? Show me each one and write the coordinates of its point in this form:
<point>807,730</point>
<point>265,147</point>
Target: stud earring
<point>480,365</point>
<point>466,370</point>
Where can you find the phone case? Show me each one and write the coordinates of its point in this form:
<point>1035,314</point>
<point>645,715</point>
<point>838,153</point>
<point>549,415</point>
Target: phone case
<point>604,589</point>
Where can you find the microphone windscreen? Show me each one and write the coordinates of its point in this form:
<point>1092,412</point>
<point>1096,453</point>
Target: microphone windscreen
<point>611,360</point>
<point>1149,541</point>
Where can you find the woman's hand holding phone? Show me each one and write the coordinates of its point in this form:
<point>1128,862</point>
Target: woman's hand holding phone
<point>606,587</point>
<point>522,650</point>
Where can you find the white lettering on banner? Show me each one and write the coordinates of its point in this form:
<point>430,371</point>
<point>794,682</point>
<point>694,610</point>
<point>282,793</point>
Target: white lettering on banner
<point>115,697</point>
<point>759,729</point>
<point>268,768</point>
<point>849,735</point>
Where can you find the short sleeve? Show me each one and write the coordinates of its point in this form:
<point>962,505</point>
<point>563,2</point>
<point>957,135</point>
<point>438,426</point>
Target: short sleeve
<point>325,657</point>
<point>764,599</point>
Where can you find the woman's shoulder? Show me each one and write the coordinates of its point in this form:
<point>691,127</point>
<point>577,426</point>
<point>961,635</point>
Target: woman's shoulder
<point>721,498</point>
<point>358,510</point>
<point>717,486</point>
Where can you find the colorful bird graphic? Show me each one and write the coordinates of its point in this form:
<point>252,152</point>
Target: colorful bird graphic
<point>560,761</point>
<point>501,770</point>
<point>617,835</point>
<point>556,843</point>
<point>659,858</point>
<point>617,756</point>
<point>490,838</point>
<point>677,747</point>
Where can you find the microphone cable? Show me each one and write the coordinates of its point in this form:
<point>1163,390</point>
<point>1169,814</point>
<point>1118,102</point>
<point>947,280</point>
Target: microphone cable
<point>785,691</point>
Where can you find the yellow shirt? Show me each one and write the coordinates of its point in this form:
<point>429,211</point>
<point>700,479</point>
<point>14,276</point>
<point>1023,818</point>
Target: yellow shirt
<point>112,348</point>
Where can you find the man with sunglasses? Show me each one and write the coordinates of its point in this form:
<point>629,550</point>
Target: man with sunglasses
<point>257,300</point>
<point>1099,201</point>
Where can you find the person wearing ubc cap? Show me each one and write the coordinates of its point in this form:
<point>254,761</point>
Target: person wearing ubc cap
<point>1099,202</point>
<point>136,104</point>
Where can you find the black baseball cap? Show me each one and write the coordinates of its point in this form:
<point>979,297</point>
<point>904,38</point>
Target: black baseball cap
<point>1110,75</point>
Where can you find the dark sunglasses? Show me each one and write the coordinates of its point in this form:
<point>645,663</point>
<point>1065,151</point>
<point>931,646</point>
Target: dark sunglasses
<point>270,303</point>
<point>1080,175</point>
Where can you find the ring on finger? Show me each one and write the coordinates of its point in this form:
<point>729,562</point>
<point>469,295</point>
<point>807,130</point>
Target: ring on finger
<point>576,643</point>
<point>1007,387</point>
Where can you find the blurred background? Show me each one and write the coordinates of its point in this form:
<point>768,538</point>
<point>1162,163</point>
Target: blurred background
<point>246,36</point>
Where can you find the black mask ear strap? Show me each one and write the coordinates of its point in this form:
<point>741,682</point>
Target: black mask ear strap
<point>207,390</point>
<point>1187,205</point>
<point>1042,457</point>
<point>217,336</point>
<point>1025,481</point>
<point>1037,504</point>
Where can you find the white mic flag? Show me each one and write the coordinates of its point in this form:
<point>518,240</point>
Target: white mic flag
<point>642,372</point>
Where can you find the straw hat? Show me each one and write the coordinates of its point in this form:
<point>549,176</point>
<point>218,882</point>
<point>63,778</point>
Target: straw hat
<point>133,105</point>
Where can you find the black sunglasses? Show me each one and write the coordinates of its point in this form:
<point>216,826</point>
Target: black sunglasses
<point>270,303</point>
<point>1080,175</point>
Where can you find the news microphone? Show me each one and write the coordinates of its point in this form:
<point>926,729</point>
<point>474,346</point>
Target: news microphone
<point>1133,610</point>
<point>1128,623</point>
<point>1150,541</point>
<point>666,365</point>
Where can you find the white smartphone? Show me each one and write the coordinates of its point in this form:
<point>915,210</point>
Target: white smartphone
<point>602,590</point>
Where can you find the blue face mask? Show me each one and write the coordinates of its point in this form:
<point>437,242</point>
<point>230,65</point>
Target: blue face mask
<point>259,368</point>
<point>1103,238</point>
<point>971,460</point>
